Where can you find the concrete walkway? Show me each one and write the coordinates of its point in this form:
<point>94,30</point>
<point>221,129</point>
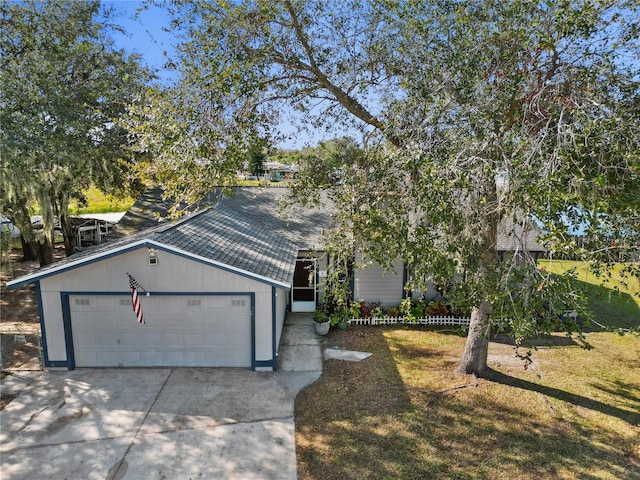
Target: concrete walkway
<point>300,346</point>
<point>159,423</point>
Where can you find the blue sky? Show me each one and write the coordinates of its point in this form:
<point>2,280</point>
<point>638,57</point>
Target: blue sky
<point>144,32</point>
<point>144,25</point>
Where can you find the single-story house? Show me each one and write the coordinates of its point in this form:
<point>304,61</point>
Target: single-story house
<point>303,226</point>
<point>214,290</point>
<point>215,285</point>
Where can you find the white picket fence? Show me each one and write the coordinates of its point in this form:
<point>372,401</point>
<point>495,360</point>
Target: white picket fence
<point>454,321</point>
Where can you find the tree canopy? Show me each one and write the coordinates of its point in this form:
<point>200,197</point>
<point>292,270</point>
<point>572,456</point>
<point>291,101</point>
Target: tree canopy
<point>481,118</point>
<point>63,87</point>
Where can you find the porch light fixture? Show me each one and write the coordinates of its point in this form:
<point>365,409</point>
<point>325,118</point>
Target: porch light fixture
<point>153,259</point>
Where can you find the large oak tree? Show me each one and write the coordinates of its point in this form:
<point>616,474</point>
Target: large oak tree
<point>499,114</point>
<point>63,86</point>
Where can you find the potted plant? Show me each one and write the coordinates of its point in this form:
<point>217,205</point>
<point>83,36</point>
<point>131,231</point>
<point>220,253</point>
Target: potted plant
<point>321,322</point>
<point>340,318</point>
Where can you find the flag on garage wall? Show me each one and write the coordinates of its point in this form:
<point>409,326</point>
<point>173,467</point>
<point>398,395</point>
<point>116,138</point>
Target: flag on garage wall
<point>135,300</point>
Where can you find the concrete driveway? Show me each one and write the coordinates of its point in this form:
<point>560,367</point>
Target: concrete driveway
<point>183,423</point>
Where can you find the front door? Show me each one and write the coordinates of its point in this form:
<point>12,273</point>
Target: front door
<point>304,291</point>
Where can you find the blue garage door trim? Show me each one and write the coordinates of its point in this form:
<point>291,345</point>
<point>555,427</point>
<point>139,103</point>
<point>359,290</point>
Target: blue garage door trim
<point>68,333</point>
<point>274,328</point>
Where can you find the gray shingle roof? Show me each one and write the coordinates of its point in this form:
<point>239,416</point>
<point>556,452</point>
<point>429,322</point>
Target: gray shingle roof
<point>223,235</point>
<point>268,206</point>
<point>219,235</point>
<point>304,226</point>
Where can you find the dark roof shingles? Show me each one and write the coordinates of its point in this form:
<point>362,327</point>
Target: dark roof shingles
<point>224,235</point>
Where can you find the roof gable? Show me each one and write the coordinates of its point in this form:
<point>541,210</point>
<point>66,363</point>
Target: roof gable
<point>219,236</point>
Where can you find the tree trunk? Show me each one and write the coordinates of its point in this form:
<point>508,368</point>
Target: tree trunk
<point>28,250</point>
<point>46,237</point>
<point>61,209</point>
<point>474,357</point>
<point>21,219</point>
<point>68,235</point>
<point>45,251</point>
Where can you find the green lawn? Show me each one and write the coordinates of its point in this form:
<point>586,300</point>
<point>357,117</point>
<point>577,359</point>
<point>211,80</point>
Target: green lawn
<point>614,304</point>
<point>404,414</point>
<point>98,202</point>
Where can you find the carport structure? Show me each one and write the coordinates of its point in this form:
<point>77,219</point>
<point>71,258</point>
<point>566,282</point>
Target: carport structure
<point>216,288</point>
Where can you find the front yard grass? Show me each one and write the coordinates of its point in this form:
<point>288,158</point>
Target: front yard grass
<point>403,414</point>
<point>615,304</point>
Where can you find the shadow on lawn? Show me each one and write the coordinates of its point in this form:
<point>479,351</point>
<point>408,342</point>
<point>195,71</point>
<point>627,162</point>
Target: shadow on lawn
<point>611,308</point>
<point>628,416</point>
<point>368,420</point>
<point>623,390</point>
<point>483,439</point>
<point>346,418</point>
<point>545,341</point>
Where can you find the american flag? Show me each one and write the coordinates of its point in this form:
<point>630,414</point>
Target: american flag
<point>135,301</point>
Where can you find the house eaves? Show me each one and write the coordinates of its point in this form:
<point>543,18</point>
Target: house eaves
<point>219,237</point>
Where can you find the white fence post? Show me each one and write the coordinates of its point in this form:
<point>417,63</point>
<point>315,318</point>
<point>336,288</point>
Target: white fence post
<point>450,321</point>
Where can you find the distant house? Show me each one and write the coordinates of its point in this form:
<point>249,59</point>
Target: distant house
<point>219,281</point>
<point>514,239</point>
<point>273,171</point>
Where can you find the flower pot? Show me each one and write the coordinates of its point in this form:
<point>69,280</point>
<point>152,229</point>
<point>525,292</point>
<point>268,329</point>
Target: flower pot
<point>342,325</point>
<point>321,328</point>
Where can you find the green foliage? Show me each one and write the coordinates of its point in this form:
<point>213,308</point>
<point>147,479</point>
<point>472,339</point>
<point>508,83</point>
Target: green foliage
<point>64,86</point>
<point>355,309</point>
<point>236,84</point>
<point>513,116</point>
<point>320,315</point>
<point>339,316</point>
<point>407,310</point>
<point>410,309</point>
<point>256,161</point>
<point>95,201</point>
<point>484,122</point>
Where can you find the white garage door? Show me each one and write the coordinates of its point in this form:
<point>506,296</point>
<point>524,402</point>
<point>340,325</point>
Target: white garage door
<point>180,331</point>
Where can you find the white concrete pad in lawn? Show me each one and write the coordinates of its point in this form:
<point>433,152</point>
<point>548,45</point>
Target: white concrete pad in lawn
<point>348,355</point>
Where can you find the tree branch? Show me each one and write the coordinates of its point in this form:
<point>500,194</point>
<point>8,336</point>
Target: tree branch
<point>351,104</point>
